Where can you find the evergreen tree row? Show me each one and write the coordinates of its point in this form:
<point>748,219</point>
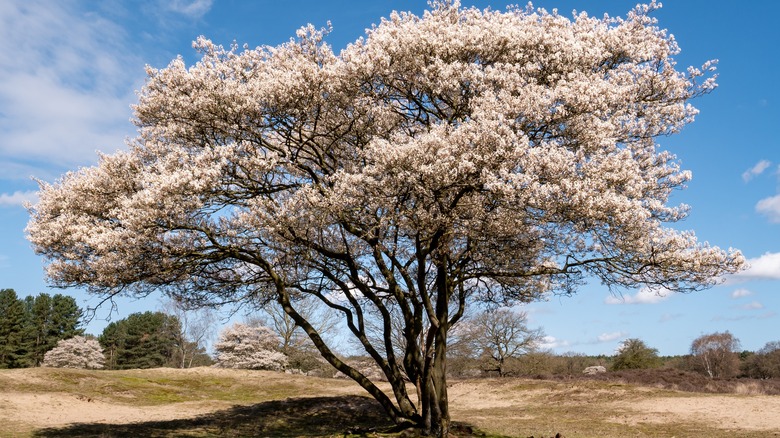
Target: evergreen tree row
<point>150,340</point>
<point>31,326</point>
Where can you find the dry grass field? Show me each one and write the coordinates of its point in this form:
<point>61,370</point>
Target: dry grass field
<point>205,402</point>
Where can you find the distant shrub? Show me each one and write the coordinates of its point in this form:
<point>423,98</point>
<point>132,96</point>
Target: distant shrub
<point>634,354</point>
<point>364,365</point>
<point>76,352</point>
<point>690,381</point>
<point>765,363</point>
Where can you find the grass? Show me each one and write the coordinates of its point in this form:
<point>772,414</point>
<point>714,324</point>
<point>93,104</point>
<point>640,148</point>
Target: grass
<point>163,386</point>
<point>238,403</point>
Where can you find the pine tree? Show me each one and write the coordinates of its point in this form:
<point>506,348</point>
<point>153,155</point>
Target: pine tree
<point>37,326</point>
<point>11,330</point>
<point>47,320</point>
<point>142,340</point>
<point>65,318</point>
<point>113,341</point>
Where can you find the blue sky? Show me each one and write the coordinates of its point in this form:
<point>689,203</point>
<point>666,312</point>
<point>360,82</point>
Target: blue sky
<point>69,71</point>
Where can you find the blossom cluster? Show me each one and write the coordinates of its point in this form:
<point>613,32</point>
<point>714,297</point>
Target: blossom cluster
<point>249,347</point>
<point>76,352</point>
<point>515,150</point>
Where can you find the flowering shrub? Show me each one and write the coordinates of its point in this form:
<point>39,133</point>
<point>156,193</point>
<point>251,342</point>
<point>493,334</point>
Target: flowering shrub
<point>76,352</point>
<point>249,347</point>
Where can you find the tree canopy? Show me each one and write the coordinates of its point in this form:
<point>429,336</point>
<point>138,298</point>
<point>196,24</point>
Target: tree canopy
<point>633,353</point>
<point>715,354</point>
<point>11,330</point>
<point>443,159</point>
<point>142,340</point>
<point>48,320</point>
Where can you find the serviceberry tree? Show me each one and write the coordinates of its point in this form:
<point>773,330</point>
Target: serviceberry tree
<point>253,347</point>
<point>76,352</point>
<point>458,156</point>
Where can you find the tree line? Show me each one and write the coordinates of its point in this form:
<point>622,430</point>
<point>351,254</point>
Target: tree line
<point>714,355</point>
<point>46,330</point>
<point>150,340</point>
<point>32,326</point>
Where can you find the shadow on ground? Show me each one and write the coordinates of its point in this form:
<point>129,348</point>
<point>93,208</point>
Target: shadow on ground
<point>295,417</point>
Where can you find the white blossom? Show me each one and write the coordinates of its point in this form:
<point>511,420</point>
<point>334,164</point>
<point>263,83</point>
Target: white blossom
<point>76,352</point>
<point>249,347</point>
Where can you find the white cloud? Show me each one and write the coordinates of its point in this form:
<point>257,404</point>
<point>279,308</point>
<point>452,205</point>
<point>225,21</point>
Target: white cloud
<point>550,342</point>
<point>18,198</point>
<point>770,207</point>
<point>741,293</point>
<point>756,170</point>
<point>765,267</point>
<point>68,80</point>
<point>193,8</point>
<point>609,337</point>
<point>755,305</point>
<point>644,296</point>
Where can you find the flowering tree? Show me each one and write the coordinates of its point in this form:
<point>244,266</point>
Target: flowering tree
<point>462,155</point>
<point>250,347</point>
<point>76,352</point>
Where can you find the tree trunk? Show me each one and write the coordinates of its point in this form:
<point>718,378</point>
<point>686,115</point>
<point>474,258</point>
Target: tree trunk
<point>403,414</point>
<point>440,421</point>
<point>437,422</point>
<point>435,410</point>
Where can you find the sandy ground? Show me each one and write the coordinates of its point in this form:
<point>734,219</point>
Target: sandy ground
<point>755,412</point>
<point>730,412</point>
<point>57,409</point>
<point>743,412</point>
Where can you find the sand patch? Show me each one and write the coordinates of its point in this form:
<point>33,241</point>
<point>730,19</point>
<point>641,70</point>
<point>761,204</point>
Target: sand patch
<point>727,412</point>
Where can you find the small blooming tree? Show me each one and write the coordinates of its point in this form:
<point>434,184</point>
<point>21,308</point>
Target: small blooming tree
<point>249,347</point>
<point>76,352</point>
<point>459,156</point>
